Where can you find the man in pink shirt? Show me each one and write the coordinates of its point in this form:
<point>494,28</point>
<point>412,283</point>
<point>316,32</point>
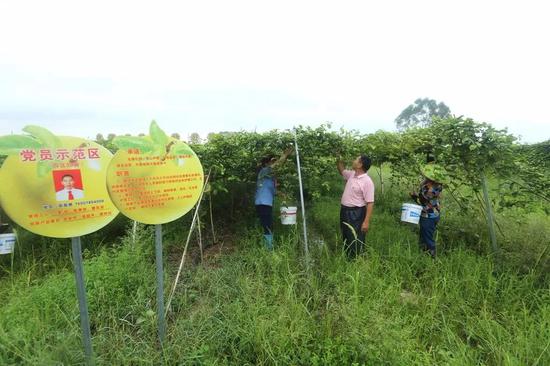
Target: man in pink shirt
<point>357,204</point>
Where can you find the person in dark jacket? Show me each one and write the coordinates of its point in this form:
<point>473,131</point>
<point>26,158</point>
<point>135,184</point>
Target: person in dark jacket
<point>428,197</point>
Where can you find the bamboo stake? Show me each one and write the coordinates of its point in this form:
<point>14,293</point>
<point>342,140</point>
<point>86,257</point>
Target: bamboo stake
<point>180,268</point>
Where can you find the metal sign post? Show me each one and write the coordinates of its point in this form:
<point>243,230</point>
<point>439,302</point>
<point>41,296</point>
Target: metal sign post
<point>306,247</point>
<point>160,283</point>
<point>82,304</point>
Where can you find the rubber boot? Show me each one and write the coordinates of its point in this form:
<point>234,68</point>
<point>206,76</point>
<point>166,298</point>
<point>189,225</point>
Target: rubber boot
<point>268,241</point>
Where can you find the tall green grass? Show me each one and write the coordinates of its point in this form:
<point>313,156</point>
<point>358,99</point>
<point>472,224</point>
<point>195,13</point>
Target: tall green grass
<point>39,322</point>
<point>392,306</point>
<point>463,309</point>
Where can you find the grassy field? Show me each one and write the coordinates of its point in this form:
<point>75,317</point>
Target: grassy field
<point>246,306</point>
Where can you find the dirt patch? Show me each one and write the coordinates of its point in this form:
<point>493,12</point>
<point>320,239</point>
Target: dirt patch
<point>212,252</point>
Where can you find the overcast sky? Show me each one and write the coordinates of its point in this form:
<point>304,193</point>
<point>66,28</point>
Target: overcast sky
<point>79,68</point>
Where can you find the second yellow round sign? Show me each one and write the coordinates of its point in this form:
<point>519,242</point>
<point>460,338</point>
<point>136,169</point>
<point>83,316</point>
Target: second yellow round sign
<point>154,189</point>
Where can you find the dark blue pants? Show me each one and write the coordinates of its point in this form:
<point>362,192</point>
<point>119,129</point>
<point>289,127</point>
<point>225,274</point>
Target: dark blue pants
<point>427,231</point>
<point>265,214</point>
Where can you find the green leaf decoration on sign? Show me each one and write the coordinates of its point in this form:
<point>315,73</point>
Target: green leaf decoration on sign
<point>46,137</point>
<point>43,168</point>
<point>13,144</point>
<point>130,142</point>
<point>158,136</point>
<point>159,151</point>
<point>182,148</point>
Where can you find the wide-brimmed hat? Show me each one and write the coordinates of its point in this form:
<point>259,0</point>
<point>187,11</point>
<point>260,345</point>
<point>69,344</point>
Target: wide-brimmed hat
<point>435,173</point>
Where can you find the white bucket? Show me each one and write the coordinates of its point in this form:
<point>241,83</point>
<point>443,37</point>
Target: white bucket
<point>7,242</point>
<point>411,212</point>
<point>288,215</point>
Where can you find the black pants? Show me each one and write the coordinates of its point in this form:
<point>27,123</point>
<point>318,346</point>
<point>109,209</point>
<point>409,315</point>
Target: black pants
<point>354,238</point>
<point>265,214</point>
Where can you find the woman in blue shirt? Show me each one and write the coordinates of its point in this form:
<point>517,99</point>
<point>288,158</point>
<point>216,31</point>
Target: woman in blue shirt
<point>266,186</point>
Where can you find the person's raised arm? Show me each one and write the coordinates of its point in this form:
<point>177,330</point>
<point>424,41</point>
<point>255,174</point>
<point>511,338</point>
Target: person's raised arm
<point>340,165</point>
<point>283,157</point>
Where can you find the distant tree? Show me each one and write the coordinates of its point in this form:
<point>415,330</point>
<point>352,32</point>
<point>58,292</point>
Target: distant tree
<point>141,134</point>
<point>99,138</point>
<point>176,135</point>
<point>195,138</point>
<point>421,113</point>
<point>111,136</point>
<point>213,135</point>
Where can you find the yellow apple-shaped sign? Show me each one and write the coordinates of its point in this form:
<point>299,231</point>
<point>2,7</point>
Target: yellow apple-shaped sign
<point>54,185</point>
<point>155,179</point>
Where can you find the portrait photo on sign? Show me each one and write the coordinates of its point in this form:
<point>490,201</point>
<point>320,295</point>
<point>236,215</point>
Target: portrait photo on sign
<point>68,184</point>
